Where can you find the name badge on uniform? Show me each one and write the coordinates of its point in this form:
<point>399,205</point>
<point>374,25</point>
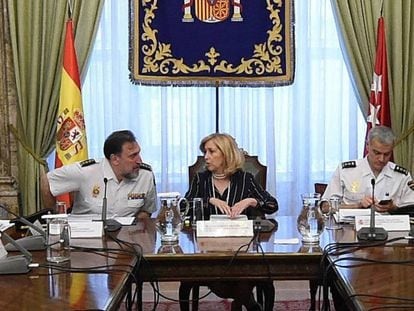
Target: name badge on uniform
<point>136,199</point>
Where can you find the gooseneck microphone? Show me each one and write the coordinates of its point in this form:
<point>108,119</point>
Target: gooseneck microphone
<point>15,264</point>
<point>372,233</point>
<point>105,200</point>
<point>110,225</point>
<point>33,242</point>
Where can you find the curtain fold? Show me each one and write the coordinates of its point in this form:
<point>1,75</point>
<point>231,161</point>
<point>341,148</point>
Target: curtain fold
<point>356,22</point>
<point>37,35</point>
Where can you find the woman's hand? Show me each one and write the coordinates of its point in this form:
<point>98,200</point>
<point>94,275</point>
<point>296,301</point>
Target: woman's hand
<point>222,206</point>
<point>240,206</point>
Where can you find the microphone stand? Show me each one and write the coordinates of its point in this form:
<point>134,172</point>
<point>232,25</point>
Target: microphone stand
<point>32,242</point>
<point>110,225</point>
<point>372,233</point>
<point>18,264</point>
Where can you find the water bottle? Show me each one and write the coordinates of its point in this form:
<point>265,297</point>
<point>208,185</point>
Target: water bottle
<point>58,241</point>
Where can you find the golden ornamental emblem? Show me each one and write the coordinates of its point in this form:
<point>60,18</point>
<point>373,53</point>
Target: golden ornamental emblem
<point>354,186</point>
<point>96,190</point>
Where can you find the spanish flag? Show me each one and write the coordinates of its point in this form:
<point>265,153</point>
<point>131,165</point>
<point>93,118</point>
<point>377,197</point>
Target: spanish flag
<point>71,137</point>
<point>70,133</point>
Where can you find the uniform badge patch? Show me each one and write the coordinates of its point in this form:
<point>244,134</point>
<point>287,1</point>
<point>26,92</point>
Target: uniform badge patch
<point>401,170</point>
<point>87,162</point>
<point>348,164</point>
<point>96,190</point>
<point>136,196</point>
<point>354,186</point>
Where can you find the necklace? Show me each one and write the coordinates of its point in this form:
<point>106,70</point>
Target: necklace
<point>214,192</point>
<point>219,176</point>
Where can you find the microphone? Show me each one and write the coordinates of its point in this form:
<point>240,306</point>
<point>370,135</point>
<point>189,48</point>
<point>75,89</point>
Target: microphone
<point>372,233</point>
<point>110,225</point>
<point>18,264</point>
<point>33,242</point>
<point>264,225</point>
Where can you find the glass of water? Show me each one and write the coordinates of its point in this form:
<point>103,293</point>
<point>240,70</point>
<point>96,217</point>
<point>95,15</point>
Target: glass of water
<point>198,210</point>
<point>332,224</point>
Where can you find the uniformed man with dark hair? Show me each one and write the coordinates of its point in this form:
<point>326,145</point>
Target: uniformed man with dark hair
<point>130,184</point>
<point>352,180</point>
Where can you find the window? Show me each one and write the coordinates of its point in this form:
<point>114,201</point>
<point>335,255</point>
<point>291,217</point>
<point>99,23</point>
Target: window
<point>300,132</point>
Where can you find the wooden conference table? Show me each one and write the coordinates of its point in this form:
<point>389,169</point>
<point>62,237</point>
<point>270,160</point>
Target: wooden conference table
<point>192,260</point>
<point>384,285</point>
<point>46,288</point>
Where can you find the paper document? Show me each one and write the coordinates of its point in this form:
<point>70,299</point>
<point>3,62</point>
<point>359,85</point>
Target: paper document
<point>125,221</point>
<point>83,217</point>
<point>388,222</point>
<point>227,217</point>
<point>5,224</point>
<point>224,228</point>
<point>287,241</point>
<point>83,229</point>
<point>347,215</point>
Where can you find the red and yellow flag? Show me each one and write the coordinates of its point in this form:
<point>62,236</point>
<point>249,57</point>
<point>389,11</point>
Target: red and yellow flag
<point>71,137</point>
<point>70,133</point>
<point>379,106</point>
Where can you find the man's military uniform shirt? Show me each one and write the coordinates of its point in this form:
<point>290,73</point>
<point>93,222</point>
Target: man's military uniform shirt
<point>351,182</point>
<point>86,179</point>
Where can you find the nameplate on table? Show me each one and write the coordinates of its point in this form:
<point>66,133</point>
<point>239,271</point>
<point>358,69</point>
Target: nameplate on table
<point>86,229</point>
<point>225,228</point>
<point>347,215</point>
<point>388,222</point>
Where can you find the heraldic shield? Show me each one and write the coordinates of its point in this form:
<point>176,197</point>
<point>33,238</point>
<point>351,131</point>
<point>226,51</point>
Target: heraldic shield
<point>212,11</point>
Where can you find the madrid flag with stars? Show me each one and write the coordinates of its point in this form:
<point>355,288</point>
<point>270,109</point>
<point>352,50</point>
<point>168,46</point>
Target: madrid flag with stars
<point>379,105</point>
<point>70,133</point>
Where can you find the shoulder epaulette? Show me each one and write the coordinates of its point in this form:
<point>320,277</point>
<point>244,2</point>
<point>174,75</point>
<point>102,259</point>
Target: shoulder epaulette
<point>87,162</point>
<point>145,166</point>
<point>349,164</point>
<point>401,170</point>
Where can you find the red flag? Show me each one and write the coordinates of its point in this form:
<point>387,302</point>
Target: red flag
<point>379,105</point>
<point>70,133</point>
<point>379,113</point>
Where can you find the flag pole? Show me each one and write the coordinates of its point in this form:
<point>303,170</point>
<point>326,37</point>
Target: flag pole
<point>70,9</point>
<point>217,107</point>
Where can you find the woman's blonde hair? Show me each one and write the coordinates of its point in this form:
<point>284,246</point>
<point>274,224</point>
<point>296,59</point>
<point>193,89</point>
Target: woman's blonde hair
<point>233,156</point>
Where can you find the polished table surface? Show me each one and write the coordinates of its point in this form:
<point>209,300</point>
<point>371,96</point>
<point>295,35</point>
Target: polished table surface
<point>206,259</point>
<point>386,283</point>
<point>46,288</point>
<point>192,259</point>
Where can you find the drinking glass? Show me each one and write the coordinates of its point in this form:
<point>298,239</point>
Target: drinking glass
<point>333,210</point>
<point>58,235</point>
<point>198,210</point>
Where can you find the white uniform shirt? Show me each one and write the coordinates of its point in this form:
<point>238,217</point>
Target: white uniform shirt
<point>86,179</point>
<point>351,182</point>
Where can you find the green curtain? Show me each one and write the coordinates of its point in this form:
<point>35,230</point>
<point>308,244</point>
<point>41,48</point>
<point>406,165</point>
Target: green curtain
<point>357,25</point>
<point>37,30</point>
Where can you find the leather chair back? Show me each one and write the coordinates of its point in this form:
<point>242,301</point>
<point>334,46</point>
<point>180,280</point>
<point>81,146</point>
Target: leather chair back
<point>251,165</point>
